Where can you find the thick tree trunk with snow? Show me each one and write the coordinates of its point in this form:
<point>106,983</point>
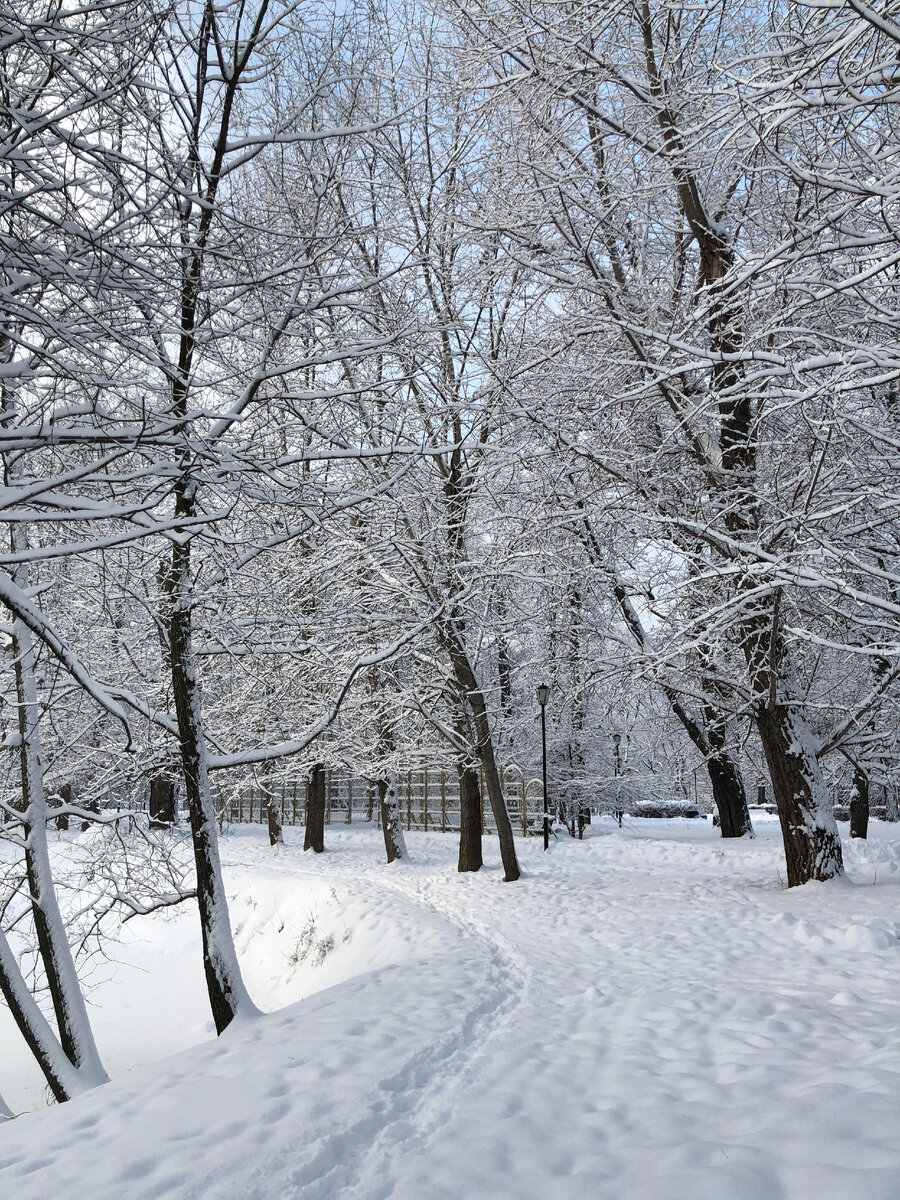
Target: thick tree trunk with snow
<point>314,837</point>
<point>859,804</point>
<point>391,821</point>
<point>812,845</point>
<point>470,855</point>
<point>227,994</point>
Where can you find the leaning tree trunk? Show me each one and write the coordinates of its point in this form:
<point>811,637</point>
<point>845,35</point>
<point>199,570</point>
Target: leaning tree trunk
<point>391,821</point>
<point>75,1033</point>
<point>859,804</point>
<point>228,995</point>
<point>468,685</point>
<point>314,837</point>
<point>63,1078</point>
<point>470,857</point>
<point>708,736</point>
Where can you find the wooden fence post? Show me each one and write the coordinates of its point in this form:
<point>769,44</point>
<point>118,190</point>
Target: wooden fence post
<point>425,800</point>
<point>443,800</point>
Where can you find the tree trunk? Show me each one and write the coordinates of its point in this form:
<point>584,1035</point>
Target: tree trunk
<point>859,804</point>
<point>729,795</point>
<point>314,837</point>
<point>470,856</point>
<point>391,820</point>
<point>63,1078</point>
<point>162,802</point>
<point>273,818</point>
<point>812,844</point>
<point>468,685</point>
<point>708,736</point>
<point>75,1034</point>
<point>228,995</point>
<point>65,796</point>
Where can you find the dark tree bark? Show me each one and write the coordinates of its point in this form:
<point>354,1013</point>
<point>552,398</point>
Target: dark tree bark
<point>468,685</point>
<point>391,821</point>
<point>470,856</point>
<point>859,804</point>
<point>162,802</point>
<point>812,844</point>
<point>273,819</point>
<point>729,793</point>
<point>314,837</point>
<point>65,796</point>
<point>225,985</point>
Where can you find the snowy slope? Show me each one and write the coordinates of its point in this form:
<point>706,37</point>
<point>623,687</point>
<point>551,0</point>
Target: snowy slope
<point>648,1015</point>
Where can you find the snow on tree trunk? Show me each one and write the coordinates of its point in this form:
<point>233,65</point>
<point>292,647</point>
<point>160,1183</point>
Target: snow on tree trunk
<point>63,1078</point>
<point>228,995</point>
<point>859,804</point>
<point>273,820</point>
<point>391,820</point>
<point>76,1036</point>
<point>470,854</point>
<point>6,1113</point>
<point>812,844</point>
<point>468,685</point>
<point>314,837</point>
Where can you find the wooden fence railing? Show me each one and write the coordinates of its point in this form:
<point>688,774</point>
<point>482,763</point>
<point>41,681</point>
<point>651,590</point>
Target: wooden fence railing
<point>429,800</point>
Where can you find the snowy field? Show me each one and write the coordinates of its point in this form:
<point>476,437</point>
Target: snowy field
<point>647,1015</point>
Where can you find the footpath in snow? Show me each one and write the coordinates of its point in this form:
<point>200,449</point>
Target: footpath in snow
<point>647,1015</point>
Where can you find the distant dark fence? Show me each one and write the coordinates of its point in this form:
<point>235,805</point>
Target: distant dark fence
<point>429,800</point>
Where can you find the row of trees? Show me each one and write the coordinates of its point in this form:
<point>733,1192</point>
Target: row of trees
<point>361,370</point>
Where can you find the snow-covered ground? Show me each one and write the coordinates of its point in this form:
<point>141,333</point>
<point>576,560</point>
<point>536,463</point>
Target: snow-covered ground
<point>647,1015</point>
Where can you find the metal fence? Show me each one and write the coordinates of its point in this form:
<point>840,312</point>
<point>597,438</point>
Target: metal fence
<point>429,800</point>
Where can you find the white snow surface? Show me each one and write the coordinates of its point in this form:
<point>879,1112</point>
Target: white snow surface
<point>647,1015</point>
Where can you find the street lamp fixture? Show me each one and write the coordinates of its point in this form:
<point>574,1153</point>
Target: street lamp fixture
<point>543,695</point>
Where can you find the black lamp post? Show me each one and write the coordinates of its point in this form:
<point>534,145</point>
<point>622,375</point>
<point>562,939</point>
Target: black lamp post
<point>617,738</point>
<point>543,695</point>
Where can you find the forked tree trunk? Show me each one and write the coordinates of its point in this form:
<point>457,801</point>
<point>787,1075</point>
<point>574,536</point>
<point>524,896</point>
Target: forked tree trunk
<point>162,802</point>
<point>468,685</point>
<point>391,820</point>
<point>470,855</point>
<point>228,995</point>
<point>314,837</point>
<point>75,1034</point>
<point>63,1078</point>
<point>859,804</point>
